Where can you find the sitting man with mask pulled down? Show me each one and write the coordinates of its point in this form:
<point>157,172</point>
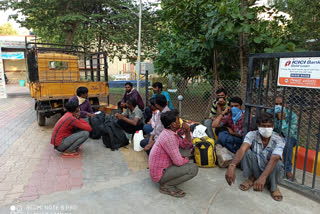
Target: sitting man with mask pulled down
<point>232,121</point>
<point>84,104</point>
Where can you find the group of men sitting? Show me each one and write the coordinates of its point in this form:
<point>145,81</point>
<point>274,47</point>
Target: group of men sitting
<point>170,156</point>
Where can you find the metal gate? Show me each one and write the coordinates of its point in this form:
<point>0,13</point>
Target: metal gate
<point>299,114</point>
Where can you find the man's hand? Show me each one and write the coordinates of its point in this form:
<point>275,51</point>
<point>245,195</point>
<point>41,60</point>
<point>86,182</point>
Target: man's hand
<point>221,102</point>
<point>185,127</point>
<point>119,116</point>
<point>231,174</point>
<point>258,185</point>
<point>227,110</point>
<point>279,115</point>
<point>91,115</point>
<point>123,105</point>
<point>77,115</point>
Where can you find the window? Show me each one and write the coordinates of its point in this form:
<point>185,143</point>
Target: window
<point>58,65</point>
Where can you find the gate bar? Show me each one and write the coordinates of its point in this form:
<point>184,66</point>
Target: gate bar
<point>268,83</point>
<point>316,160</point>
<point>298,134</point>
<point>308,138</point>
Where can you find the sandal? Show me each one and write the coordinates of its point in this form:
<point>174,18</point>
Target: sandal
<point>276,195</point>
<point>172,191</point>
<point>70,155</point>
<point>246,185</point>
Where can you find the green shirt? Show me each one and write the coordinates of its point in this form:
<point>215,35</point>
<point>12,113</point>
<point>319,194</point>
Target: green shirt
<point>214,108</point>
<point>285,124</point>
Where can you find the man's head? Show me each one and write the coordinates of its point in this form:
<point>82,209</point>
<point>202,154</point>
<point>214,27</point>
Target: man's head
<point>221,92</point>
<point>235,102</point>
<point>131,103</point>
<point>82,92</point>
<point>161,101</point>
<point>72,106</point>
<point>265,124</point>
<point>170,120</point>
<point>279,101</point>
<point>128,86</point>
<point>153,104</point>
<point>157,87</point>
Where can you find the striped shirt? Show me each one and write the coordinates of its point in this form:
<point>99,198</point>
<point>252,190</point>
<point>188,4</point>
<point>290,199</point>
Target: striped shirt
<point>214,108</point>
<point>274,147</point>
<point>165,153</point>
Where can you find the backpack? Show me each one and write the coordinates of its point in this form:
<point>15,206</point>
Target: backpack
<point>114,137</point>
<point>97,124</point>
<point>204,152</point>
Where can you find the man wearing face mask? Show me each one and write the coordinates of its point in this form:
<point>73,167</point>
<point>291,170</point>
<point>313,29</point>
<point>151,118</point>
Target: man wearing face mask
<point>284,130</point>
<point>84,104</point>
<point>260,156</point>
<point>233,119</point>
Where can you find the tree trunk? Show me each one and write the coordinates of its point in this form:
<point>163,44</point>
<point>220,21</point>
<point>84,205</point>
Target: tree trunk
<point>244,55</point>
<point>216,82</point>
<point>183,85</point>
<point>70,34</point>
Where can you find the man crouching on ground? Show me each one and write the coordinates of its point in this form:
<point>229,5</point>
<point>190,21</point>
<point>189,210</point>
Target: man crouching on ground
<point>261,165</point>
<point>70,132</point>
<point>167,165</point>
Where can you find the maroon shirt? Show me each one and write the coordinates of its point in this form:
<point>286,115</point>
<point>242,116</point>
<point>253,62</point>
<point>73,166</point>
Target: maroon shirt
<point>85,107</point>
<point>135,95</point>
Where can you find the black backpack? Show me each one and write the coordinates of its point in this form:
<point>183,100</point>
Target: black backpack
<point>97,124</point>
<point>114,137</point>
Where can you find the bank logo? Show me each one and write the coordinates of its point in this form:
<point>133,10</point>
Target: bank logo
<point>288,63</point>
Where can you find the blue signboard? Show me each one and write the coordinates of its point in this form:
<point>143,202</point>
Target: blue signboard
<point>12,55</point>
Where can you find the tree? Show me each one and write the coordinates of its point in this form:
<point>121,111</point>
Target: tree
<point>97,24</point>
<point>305,21</point>
<point>7,29</point>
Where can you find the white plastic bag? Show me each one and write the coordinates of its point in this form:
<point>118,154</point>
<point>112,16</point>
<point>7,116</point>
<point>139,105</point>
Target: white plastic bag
<point>137,137</point>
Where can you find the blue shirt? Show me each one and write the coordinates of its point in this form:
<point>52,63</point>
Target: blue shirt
<point>167,95</point>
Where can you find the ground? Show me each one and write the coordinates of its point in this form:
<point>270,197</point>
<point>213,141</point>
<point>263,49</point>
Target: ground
<point>36,179</point>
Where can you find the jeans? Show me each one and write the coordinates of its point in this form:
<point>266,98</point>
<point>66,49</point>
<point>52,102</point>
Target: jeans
<point>143,144</point>
<point>147,129</point>
<point>130,128</point>
<point>209,131</point>
<point>232,143</point>
<point>287,156</point>
<point>251,168</point>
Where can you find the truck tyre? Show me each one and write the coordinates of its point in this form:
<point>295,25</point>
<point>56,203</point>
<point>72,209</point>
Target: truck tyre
<point>41,119</point>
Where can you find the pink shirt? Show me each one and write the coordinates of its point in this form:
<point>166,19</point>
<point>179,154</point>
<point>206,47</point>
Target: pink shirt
<point>165,153</point>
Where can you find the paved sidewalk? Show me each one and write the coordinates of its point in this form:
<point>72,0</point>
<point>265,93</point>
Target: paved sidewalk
<point>36,179</point>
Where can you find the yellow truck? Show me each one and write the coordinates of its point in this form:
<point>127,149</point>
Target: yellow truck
<point>56,71</point>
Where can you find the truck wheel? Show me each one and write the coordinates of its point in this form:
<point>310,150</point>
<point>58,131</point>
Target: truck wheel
<point>41,119</point>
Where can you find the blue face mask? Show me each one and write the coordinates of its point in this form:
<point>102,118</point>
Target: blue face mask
<point>236,114</point>
<point>278,109</point>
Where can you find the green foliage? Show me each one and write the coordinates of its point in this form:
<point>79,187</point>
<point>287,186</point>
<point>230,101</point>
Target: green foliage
<point>110,25</point>
<point>7,29</point>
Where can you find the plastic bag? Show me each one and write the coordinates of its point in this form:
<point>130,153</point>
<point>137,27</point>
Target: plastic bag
<point>224,156</point>
<point>137,137</point>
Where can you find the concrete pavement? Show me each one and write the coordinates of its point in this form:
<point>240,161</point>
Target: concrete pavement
<point>35,179</point>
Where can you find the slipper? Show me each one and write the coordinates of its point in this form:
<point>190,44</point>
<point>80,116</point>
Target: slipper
<point>276,195</point>
<point>246,185</point>
<point>172,191</point>
<point>71,155</point>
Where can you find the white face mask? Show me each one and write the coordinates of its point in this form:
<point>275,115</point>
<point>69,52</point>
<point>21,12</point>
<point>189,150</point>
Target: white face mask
<point>81,100</point>
<point>265,132</point>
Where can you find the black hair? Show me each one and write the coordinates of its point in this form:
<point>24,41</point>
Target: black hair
<point>161,100</point>
<point>128,83</point>
<point>157,84</point>
<point>153,101</point>
<point>236,100</point>
<point>132,102</point>
<point>71,106</point>
<point>81,91</point>
<point>168,117</point>
<point>264,117</point>
<point>220,90</point>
